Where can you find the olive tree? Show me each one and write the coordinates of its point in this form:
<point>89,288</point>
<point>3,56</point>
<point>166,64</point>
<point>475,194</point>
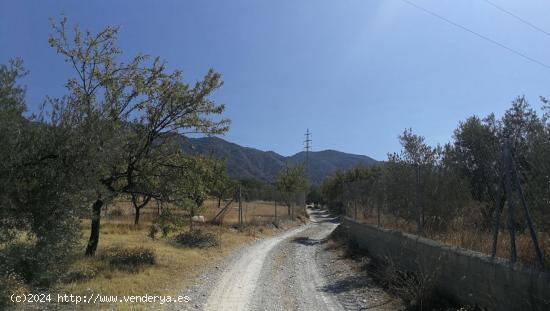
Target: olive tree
<point>43,188</point>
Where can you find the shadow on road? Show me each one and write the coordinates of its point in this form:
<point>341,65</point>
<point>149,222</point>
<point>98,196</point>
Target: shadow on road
<point>322,216</point>
<point>347,284</point>
<point>308,241</point>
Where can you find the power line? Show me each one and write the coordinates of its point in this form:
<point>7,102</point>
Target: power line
<point>307,147</point>
<point>518,18</point>
<point>518,53</point>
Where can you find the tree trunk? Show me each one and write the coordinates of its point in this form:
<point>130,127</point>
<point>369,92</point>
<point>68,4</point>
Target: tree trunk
<point>136,217</point>
<point>275,211</point>
<point>137,206</point>
<point>191,214</point>
<point>419,206</point>
<point>94,232</point>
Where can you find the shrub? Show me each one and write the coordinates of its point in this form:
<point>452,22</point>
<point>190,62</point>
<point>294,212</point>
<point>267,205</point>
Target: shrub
<point>197,238</point>
<point>116,212</point>
<point>10,283</point>
<point>37,264</point>
<point>153,230</point>
<point>166,223</point>
<point>416,289</point>
<point>129,258</point>
<point>79,274</point>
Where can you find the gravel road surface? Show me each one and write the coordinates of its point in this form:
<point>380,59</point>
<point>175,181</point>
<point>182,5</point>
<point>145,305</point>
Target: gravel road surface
<point>291,271</point>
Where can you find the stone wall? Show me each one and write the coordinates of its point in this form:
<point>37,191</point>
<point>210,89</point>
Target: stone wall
<point>470,278</point>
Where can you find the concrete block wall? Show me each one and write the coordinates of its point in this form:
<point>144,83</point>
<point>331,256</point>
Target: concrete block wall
<point>468,277</point>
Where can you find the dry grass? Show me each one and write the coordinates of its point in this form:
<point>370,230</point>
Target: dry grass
<point>175,268</point>
<point>482,241</point>
<point>256,212</point>
<point>459,234</point>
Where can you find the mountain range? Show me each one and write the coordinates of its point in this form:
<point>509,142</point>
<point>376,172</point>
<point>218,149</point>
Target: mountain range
<point>244,162</point>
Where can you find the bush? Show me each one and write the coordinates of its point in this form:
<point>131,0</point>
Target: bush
<point>197,238</point>
<point>166,223</point>
<point>116,212</point>
<point>10,283</point>
<point>153,230</point>
<point>79,274</point>
<point>417,289</point>
<point>129,258</point>
<point>37,264</point>
<point>24,265</point>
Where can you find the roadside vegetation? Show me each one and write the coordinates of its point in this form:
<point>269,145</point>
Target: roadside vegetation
<point>129,261</point>
<point>451,193</point>
<point>72,171</point>
<point>413,290</point>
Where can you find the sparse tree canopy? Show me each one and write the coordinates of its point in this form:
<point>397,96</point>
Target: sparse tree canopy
<point>290,181</point>
<point>133,113</point>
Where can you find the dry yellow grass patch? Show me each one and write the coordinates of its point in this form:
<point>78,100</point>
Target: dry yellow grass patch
<point>175,268</point>
<point>254,212</point>
<point>469,238</point>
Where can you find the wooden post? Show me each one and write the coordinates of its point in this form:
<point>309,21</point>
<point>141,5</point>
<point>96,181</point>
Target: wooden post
<point>498,210</point>
<point>508,187</point>
<point>532,230</point>
<point>419,208</point>
<point>240,208</point>
<point>275,210</point>
<point>378,213</point>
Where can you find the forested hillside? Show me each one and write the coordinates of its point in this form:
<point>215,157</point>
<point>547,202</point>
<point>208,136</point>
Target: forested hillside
<point>244,162</point>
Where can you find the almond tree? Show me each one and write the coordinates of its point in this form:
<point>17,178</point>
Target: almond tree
<point>132,112</point>
<point>290,181</point>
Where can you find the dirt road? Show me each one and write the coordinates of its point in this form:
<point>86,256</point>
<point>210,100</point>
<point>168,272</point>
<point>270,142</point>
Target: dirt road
<point>290,272</point>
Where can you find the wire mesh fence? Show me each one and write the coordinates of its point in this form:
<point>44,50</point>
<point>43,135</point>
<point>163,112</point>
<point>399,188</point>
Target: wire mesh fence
<point>496,201</point>
<point>259,207</point>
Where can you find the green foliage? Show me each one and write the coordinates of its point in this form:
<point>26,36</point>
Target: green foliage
<point>43,188</point>
<point>354,184</point>
<point>291,180</point>
<point>166,222</point>
<point>475,153</point>
<point>222,187</point>
<point>433,186</point>
<point>116,132</point>
<point>10,283</point>
<point>253,189</point>
<point>153,230</point>
<point>247,163</point>
<point>291,183</point>
<point>314,195</point>
<point>134,114</point>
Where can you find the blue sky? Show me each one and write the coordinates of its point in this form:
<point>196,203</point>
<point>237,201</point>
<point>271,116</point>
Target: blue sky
<point>356,73</point>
